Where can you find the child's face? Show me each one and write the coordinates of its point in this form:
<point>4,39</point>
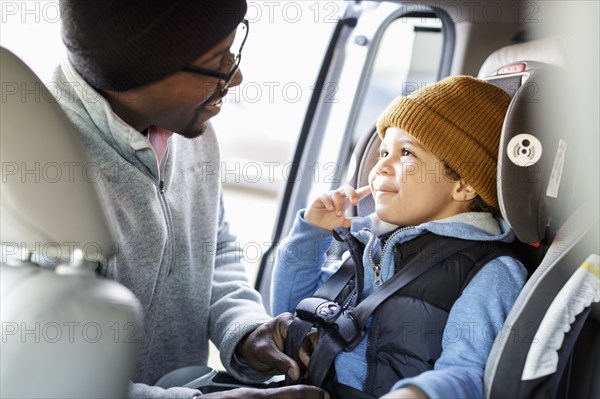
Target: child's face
<point>409,183</point>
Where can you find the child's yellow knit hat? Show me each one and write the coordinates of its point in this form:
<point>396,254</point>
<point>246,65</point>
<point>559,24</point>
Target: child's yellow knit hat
<point>459,119</point>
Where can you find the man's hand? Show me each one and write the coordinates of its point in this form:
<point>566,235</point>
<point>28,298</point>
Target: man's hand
<point>262,350</point>
<point>291,392</point>
<point>327,211</point>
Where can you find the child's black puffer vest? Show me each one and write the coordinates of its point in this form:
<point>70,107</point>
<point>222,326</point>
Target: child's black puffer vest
<point>405,337</point>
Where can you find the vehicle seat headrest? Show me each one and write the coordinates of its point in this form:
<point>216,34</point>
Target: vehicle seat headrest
<point>50,205</point>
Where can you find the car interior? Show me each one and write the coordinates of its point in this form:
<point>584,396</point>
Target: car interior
<point>549,345</point>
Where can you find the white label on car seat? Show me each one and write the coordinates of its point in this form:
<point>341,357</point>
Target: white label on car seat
<point>582,289</point>
<point>557,169</point>
<point>524,150</point>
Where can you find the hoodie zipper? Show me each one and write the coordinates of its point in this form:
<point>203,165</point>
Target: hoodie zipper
<point>167,212</point>
<point>377,281</point>
<point>160,190</point>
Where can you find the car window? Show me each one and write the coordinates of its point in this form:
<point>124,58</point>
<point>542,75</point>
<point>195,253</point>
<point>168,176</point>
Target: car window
<point>408,58</point>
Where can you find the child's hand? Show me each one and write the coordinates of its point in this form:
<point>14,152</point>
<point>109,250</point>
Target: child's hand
<point>327,211</point>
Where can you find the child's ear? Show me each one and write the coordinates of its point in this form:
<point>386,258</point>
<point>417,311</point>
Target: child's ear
<point>463,191</point>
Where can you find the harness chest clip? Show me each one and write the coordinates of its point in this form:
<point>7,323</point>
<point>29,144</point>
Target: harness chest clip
<point>318,310</point>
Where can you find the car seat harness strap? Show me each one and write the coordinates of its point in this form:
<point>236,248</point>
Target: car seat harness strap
<point>341,325</point>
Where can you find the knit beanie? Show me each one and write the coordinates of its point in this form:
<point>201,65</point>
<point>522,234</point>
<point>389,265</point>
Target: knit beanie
<point>459,119</point>
<point>123,44</point>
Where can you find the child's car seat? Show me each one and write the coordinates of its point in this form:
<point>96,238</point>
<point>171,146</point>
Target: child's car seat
<point>65,332</point>
<point>537,192</point>
<point>540,198</point>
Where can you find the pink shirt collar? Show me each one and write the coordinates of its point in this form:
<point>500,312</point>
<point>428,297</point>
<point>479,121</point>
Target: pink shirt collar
<point>159,139</point>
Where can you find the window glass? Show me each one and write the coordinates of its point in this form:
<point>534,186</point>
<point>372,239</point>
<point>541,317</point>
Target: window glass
<point>408,58</point>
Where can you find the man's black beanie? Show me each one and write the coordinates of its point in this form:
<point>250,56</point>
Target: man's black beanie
<point>122,44</point>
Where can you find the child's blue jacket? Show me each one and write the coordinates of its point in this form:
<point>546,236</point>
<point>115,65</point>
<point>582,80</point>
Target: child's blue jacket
<point>474,320</point>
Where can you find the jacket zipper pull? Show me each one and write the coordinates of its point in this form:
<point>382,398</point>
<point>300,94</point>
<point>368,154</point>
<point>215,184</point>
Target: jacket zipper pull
<point>377,281</point>
<point>161,187</point>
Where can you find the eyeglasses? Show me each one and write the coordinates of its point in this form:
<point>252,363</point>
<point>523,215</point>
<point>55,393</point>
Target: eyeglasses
<point>230,61</point>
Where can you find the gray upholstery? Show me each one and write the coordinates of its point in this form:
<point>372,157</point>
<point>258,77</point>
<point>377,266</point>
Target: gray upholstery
<point>65,332</point>
<point>66,335</point>
<point>48,192</point>
<point>505,367</point>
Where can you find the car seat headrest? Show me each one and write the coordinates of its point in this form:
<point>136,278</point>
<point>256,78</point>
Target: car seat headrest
<point>529,199</point>
<point>549,51</point>
<point>50,206</point>
<point>536,158</point>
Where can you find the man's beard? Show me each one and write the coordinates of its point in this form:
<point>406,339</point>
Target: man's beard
<point>191,131</point>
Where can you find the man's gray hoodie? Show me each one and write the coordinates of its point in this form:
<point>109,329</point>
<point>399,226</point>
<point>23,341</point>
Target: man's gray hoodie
<point>174,249</point>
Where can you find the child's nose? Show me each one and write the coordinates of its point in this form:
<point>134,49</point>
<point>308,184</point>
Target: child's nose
<point>383,167</point>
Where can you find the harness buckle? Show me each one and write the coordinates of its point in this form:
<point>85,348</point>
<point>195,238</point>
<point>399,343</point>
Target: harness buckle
<point>318,310</point>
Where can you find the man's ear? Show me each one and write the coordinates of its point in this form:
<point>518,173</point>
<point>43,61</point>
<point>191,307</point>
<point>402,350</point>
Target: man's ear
<point>463,191</point>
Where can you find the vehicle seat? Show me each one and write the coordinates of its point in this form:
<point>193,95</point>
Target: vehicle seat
<point>65,332</point>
